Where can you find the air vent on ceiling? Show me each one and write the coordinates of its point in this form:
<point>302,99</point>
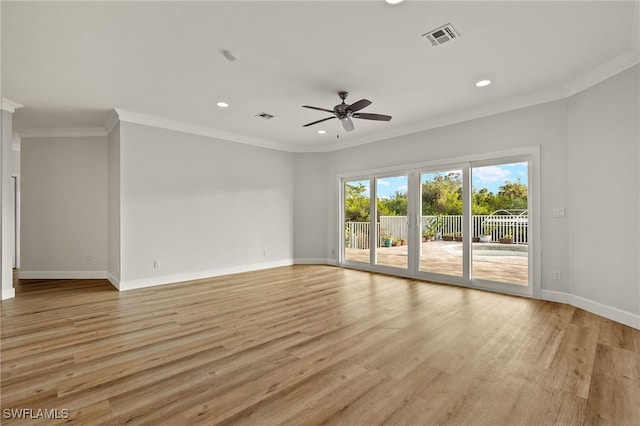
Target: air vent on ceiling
<point>441,35</point>
<point>265,116</point>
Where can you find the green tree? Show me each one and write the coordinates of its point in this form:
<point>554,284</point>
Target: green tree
<point>512,195</point>
<point>356,203</point>
<point>442,195</point>
<point>396,205</point>
<point>484,202</point>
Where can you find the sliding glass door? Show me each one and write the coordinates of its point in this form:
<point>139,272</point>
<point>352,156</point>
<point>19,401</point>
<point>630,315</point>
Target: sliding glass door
<point>442,219</point>
<point>392,248</point>
<point>467,224</point>
<point>356,225</point>
<point>500,213</point>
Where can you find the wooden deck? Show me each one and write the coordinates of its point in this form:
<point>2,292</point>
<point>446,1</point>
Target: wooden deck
<point>444,257</point>
<point>306,345</point>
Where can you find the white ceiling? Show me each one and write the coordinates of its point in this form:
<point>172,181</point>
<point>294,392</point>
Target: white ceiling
<point>69,64</point>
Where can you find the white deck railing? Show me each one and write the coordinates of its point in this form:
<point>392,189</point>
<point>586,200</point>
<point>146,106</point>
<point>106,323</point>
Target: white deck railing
<point>357,233</point>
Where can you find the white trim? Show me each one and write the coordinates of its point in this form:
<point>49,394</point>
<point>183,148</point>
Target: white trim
<point>62,275</point>
<point>16,142</point>
<point>113,280</point>
<point>481,112</point>
<point>596,308</point>
<point>311,261</point>
<point>591,78</point>
<point>531,154</point>
<point>162,123</point>
<point>614,314</point>
<point>17,220</point>
<point>8,293</point>
<point>446,162</point>
<point>555,296</point>
<point>111,121</point>
<point>63,133</point>
<point>178,278</point>
<point>602,72</point>
<point>10,106</point>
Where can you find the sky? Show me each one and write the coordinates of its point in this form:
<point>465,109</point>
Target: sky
<point>490,177</point>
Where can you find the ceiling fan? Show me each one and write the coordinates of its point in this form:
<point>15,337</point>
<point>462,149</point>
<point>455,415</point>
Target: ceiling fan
<point>345,112</point>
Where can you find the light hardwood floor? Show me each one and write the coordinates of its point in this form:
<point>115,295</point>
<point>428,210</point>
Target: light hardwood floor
<point>313,344</point>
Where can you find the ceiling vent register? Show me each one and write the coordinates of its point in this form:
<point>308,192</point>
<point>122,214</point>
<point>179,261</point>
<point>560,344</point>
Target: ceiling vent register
<point>265,116</point>
<point>441,35</point>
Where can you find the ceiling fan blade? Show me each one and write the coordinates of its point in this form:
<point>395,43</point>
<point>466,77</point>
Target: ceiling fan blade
<point>319,121</point>
<point>347,124</point>
<point>378,117</point>
<point>362,103</point>
<point>319,109</point>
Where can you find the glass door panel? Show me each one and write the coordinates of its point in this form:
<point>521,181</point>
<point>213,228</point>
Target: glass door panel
<point>356,232</point>
<point>500,250</point>
<point>392,222</point>
<point>441,249</point>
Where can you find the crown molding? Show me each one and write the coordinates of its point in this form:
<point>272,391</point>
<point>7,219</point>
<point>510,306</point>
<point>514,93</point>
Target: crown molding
<point>111,121</point>
<point>162,123</point>
<point>10,106</point>
<point>603,72</point>
<point>473,114</point>
<point>63,133</point>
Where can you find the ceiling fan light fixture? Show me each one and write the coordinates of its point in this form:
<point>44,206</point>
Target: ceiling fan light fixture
<point>222,104</point>
<point>483,83</point>
<point>344,112</point>
<point>393,1</point>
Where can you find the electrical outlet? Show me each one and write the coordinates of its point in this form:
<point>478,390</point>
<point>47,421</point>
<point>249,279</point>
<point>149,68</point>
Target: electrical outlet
<point>156,264</point>
<point>559,212</point>
<point>557,275</point>
<point>333,251</point>
<point>89,259</point>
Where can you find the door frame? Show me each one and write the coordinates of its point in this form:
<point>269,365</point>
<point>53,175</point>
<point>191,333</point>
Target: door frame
<point>530,154</point>
<point>15,189</point>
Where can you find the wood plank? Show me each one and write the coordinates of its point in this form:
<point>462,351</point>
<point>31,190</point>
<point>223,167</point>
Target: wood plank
<point>311,344</point>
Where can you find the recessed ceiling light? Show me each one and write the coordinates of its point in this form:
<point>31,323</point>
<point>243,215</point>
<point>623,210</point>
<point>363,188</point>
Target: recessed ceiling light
<point>322,132</point>
<point>222,104</point>
<point>393,1</point>
<point>483,83</point>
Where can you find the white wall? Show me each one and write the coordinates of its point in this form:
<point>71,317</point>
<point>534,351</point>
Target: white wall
<point>604,166</point>
<point>113,264</point>
<point>543,125</point>
<point>311,210</point>
<point>590,165</point>
<point>64,207</point>
<point>200,206</point>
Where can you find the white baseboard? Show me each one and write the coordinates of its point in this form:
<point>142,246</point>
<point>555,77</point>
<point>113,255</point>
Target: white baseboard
<point>614,314</point>
<point>113,280</point>
<point>606,311</point>
<point>311,261</point>
<point>62,275</point>
<point>555,296</point>
<point>177,278</point>
<point>8,293</point>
